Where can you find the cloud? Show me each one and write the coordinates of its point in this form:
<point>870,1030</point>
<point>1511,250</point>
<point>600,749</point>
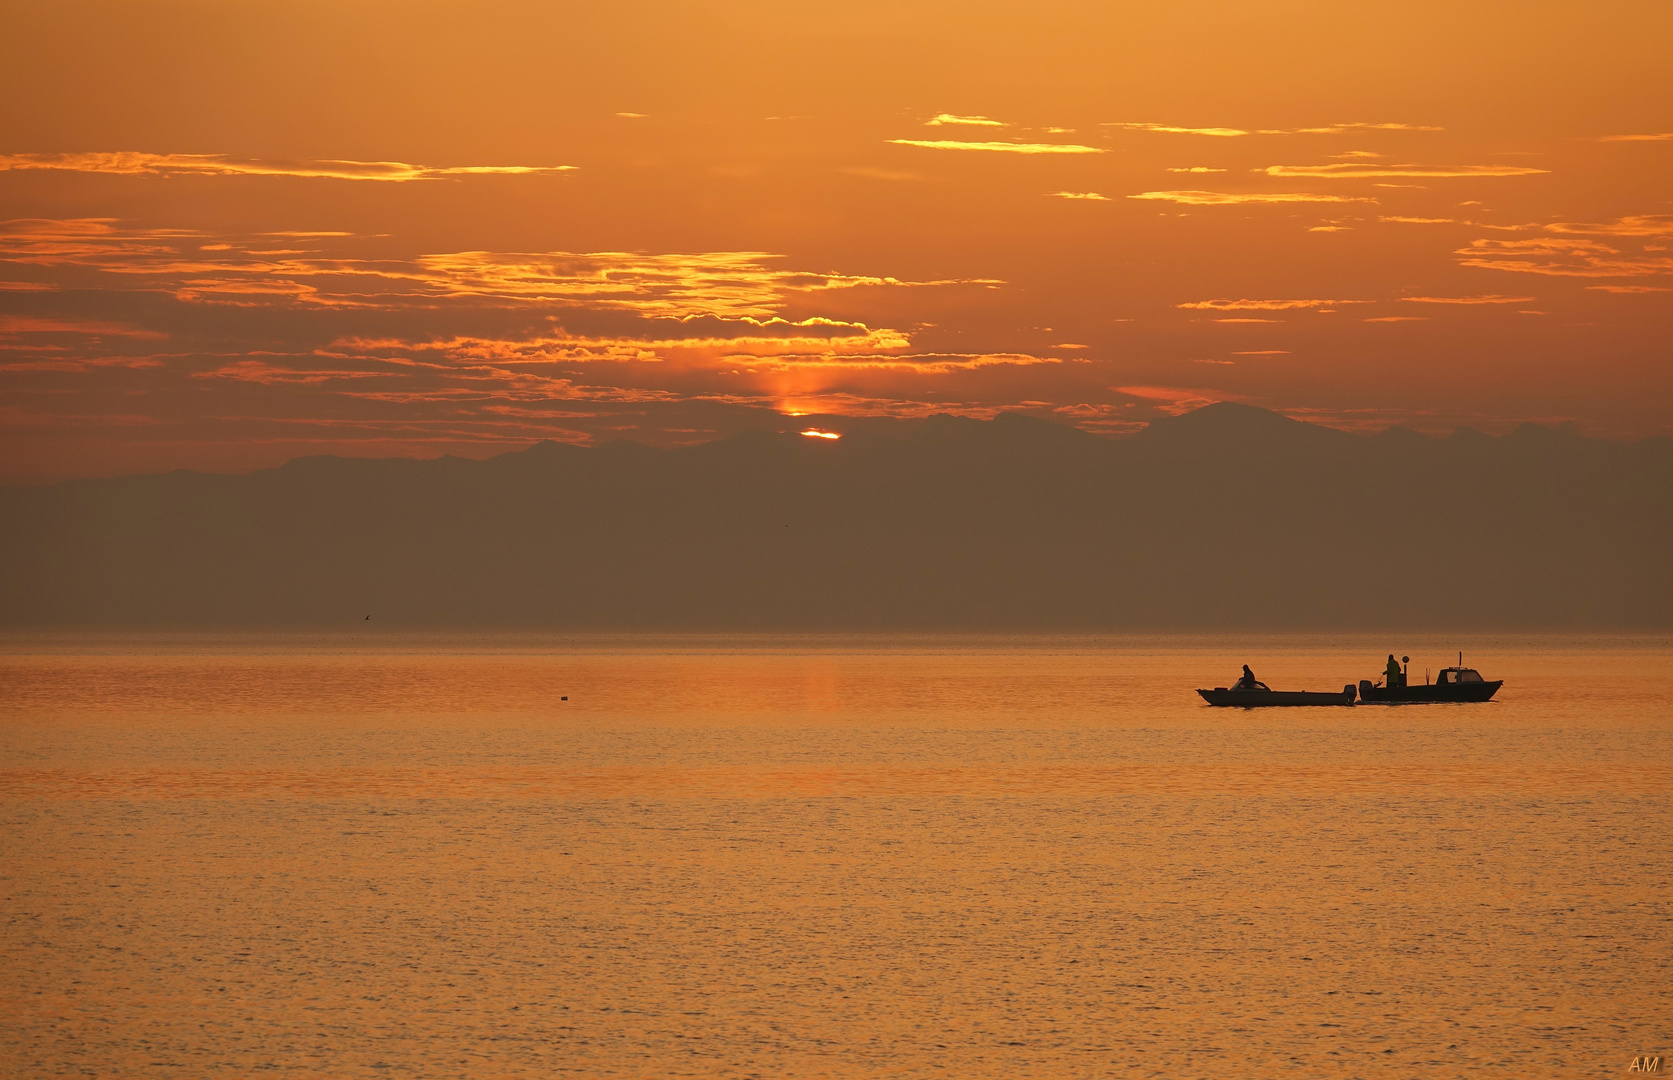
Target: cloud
<point>1398,318</point>
<point>1001,147</point>
<point>1665,136</point>
<point>1221,198</point>
<point>1343,129</point>
<point>1218,132</point>
<point>18,324</point>
<point>1331,228</point>
<point>1264,305</point>
<point>233,271</point>
<point>941,119</point>
<point>1637,225</point>
<point>1196,169</point>
<point>1628,289</point>
<point>925,363</point>
<point>1421,220</point>
<point>256,292</point>
<point>1354,170</point>
<point>445,343</point>
<point>260,371</point>
<point>1232,133</point>
<point>1172,400</point>
<point>1240,320</point>
<point>1560,258</point>
<point>1090,195</point>
<point>1494,299</point>
<point>129,163</point>
<point>1262,352</point>
<point>730,283</point>
<point>762,339</point>
<point>633,115</point>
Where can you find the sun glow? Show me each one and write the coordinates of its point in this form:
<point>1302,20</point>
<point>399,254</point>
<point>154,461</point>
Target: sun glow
<point>815,433</point>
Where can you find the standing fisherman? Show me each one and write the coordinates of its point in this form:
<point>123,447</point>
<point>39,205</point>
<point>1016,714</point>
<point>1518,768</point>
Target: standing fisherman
<point>1395,676</point>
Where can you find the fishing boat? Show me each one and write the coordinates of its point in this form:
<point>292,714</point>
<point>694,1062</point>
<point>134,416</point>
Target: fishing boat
<point>1259,696</point>
<point>1458,683</point>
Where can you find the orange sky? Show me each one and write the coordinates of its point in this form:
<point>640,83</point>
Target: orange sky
<point>239,233</point>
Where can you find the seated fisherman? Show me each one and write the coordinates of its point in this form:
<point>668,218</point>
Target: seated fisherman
<point>1248,681</point>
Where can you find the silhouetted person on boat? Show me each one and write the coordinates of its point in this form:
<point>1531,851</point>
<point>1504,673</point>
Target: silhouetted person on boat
<point>1248,681</point>
<point>1396,677</point>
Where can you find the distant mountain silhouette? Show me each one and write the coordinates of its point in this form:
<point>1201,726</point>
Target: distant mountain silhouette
<point>1226,516</point>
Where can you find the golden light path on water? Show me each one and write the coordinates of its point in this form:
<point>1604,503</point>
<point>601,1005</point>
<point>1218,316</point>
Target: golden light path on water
<point>833,856</point>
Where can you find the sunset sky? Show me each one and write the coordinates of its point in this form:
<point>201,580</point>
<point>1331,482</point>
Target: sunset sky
<point>234,233</point>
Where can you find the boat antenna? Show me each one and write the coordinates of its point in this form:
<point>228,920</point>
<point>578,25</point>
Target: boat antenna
<point>1460,657</point>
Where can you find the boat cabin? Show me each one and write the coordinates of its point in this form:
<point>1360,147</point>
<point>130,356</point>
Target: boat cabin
<point>1451,676</point>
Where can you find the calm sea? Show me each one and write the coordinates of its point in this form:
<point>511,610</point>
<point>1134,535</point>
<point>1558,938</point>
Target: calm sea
<point>375,854</point>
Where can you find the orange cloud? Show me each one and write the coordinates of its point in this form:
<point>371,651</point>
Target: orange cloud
<point>1228,132</point>
<point>1221,198</point>
<point>1466,299</point>
<point>1637,225</point>
<point>1560,258</point>
<point>1353,170</point>
<point>734,284</point>
<point>259,371</point>
<point>941,119</point>
<point>1343,129</point>
<point>727,284</point>
<point>1263,305</point>
<point>1001,147</point>
<point>1663,137</point>
<point>1092,196</point>
<point>1172,400</point>
<point>933,363</point>
<point>130,163</point>
<point>14,324</point>
<point>1218,132</point>
<point>1628,289</point>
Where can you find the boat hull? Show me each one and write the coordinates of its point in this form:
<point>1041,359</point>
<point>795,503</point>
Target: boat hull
<point>1429,694</point>
<point>1258,699</point>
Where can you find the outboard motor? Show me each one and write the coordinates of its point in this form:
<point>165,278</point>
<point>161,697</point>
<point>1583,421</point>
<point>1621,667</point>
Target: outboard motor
<point>1365,689</point>
<point>1348,692</point>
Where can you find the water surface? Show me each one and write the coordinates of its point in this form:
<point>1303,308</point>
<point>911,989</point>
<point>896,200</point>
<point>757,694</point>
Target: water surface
<point>356,854</point>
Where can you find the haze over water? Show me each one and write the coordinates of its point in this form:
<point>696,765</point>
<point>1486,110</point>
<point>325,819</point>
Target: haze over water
<point>366,854</point>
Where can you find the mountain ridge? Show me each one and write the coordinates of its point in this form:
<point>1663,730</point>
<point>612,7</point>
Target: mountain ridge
<point>1228,516</point>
